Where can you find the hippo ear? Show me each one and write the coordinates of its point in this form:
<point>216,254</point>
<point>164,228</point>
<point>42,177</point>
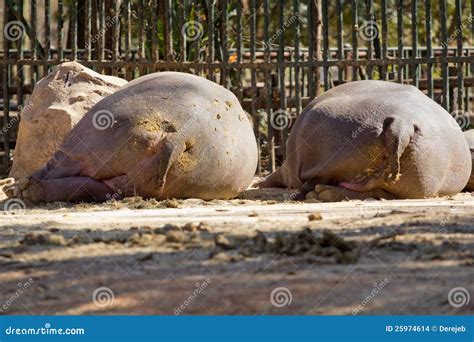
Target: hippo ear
<point>167,155</point>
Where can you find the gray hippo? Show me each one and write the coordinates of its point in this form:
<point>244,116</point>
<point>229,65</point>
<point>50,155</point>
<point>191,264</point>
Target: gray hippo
<point>470,140</point>
<point>374,139</point>
<point>163,135</point>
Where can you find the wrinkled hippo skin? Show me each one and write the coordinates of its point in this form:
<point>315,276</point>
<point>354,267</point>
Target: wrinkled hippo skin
<point>470,140</point>
<point>57,103</point>
<point>374,139</point>
<point>164,135</point>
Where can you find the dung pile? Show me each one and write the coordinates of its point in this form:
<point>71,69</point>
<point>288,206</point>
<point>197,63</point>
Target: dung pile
<point>305,242</point>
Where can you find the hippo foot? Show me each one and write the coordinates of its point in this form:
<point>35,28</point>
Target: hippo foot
<point>329,193</point>
<point>27,189</point>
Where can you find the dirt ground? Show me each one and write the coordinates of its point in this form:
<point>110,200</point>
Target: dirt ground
<point>259,254</point>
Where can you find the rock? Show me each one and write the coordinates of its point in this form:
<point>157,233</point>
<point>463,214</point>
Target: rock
<point>315,217</point>
<point>223,242</point>
<point>176,236</point>
<point>43,239</point>
<point>190,227</point>
<point>58,102</point>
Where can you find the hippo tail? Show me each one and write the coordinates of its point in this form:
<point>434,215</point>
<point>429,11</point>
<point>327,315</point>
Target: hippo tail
<point>398,133</point>
<point>169,153</point>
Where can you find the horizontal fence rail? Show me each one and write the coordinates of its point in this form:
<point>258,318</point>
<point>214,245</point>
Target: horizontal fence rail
<point>276,56</point>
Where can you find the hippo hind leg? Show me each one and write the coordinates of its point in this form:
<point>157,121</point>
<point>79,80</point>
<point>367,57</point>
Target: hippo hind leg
<point>68,189</point>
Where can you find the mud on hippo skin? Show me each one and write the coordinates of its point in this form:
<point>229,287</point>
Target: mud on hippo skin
<point>374,139</point>
<point>163,135</point>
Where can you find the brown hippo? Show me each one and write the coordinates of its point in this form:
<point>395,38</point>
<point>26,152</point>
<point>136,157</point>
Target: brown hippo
<point>374,139</point>
<point>470,140</point>
<point>163,135</point>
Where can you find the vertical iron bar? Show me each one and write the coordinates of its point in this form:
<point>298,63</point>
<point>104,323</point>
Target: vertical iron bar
<point>115,36</point>
<point>88,25</point>
<point>400,67</point>
<point>60,31</point>
<point>444,64</point>
<point>385,39</point>
<point>355,33</point>
<point>269,91</point>
<point>340,39</point>
<point>154,33</point>
<point>6,96</point>
<point>281,74</point>
<point>128,38</point>
<point>311,48</point>
<point>33,44</point>
<point>459,38</point>
<point>73,28</point>
<point>414,37</point>
<point>296,12</point>
<point>225,51</point>
<point>210,34</point>
<point>429,47</point>
<point>325,43</point>
<point>240,92</point>
<point>372,36</point>
<point>47,33</point>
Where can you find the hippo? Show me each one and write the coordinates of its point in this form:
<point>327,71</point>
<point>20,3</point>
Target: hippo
<point>164,135</point>
<point>372,140</point>
<point>470,140</point>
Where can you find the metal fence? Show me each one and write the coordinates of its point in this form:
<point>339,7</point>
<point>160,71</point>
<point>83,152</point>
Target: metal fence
<point>274,55</point>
